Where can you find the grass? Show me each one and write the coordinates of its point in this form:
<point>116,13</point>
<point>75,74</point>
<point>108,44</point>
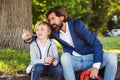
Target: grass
<point>111,44</point>
<point>14,61</point>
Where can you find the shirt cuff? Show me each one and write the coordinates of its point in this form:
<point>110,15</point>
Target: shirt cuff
<point>97,65</point>
<point>28,41</point>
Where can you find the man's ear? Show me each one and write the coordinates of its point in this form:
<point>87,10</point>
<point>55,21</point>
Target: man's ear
<point>62,18</point>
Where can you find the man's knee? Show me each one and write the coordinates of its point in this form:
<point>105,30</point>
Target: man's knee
<point>65,57</point>
<point>112,58</point>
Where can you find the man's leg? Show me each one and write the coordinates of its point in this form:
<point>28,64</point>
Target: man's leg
<point>110,64</point>
<point>68,70</point>
<point>55,71</point>
<point>37,70</point>
<point>75,63</point>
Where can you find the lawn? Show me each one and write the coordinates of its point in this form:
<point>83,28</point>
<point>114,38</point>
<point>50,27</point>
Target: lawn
<point>111,44</point>
<point>15,61</point>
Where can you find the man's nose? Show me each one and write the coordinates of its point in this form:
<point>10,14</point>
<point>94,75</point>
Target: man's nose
<point>51,22</point>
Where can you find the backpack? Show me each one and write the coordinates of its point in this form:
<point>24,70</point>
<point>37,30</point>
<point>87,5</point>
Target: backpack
<point>85,75</point>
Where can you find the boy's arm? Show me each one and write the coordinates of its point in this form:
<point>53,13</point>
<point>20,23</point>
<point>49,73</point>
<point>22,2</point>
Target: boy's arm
<point>55,52</point>
<point>26,36</point>
<point>33,38</point>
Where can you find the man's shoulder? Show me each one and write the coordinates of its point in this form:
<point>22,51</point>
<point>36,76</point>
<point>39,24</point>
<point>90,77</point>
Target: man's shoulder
<point>75,21</point>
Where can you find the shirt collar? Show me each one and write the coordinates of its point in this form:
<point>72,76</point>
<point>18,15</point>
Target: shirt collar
<point>66,28</point>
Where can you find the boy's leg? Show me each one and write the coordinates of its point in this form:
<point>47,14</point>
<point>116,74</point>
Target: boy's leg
<point>37,71</point>
<point>55,71</point>
<point>110,64</point>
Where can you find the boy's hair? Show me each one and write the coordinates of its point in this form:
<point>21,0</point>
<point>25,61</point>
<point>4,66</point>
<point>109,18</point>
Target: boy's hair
<point>59,11</point>
<point>43,23</point>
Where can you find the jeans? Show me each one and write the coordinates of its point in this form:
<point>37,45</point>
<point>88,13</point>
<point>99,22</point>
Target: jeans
<point>80,63</point>
<point>54,71</point>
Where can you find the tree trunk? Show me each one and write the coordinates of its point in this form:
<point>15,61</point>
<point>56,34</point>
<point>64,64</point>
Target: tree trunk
<point>15,15</point>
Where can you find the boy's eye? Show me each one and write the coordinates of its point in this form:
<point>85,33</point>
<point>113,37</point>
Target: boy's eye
<point>42,29</point>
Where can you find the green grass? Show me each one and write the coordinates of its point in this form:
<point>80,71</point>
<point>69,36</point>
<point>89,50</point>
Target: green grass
<point>110,42</point>
<point>14,61</point>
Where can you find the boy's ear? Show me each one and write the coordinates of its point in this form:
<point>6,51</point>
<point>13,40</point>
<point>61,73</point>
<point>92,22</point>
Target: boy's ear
<point>49,31</point>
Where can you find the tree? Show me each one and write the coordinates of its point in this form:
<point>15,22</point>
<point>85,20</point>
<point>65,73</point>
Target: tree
<point>15,15</point>
<point>102,10</point>
<point>114,10</point>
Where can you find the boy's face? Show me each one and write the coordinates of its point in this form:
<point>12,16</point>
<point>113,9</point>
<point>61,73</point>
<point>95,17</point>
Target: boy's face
<point>42,31</point>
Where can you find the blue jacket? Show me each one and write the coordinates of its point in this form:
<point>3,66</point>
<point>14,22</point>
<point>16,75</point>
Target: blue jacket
<point>90,44</point>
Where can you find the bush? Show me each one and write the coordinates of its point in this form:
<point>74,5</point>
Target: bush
<point>13,61</point>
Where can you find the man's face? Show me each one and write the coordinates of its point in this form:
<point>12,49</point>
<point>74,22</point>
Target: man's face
<point>56,22</point>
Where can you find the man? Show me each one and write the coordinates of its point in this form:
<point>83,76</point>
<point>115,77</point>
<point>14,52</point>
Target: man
<point>81,48</point>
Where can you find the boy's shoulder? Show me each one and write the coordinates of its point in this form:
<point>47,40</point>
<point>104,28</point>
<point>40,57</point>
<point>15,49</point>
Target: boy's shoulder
<point>33,43</point>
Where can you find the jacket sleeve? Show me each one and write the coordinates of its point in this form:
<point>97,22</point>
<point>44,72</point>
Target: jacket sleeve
<point>31,40</point>
<point>91,39</point>
<point>54,51</point>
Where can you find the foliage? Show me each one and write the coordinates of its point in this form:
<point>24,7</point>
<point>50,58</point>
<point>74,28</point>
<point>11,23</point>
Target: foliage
<point>13,61</point>
<point>95,13</point>
<point>38,10</point>
<point>76,8</point>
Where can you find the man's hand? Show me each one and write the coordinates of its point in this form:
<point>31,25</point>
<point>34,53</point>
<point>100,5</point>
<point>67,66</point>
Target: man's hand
<point>94,72</point>
<point>26,35</point>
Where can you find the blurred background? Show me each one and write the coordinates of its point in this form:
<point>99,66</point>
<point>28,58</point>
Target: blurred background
<point>102,17</point>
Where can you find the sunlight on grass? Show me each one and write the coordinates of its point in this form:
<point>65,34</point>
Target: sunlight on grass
<point>117,52</point>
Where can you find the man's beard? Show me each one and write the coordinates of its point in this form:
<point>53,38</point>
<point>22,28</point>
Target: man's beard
<point>57,28</point>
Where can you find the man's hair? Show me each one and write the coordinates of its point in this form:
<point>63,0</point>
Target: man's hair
<point>59,11</point>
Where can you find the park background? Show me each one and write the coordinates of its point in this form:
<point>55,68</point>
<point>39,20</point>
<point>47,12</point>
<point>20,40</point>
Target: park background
<point>16,15</point>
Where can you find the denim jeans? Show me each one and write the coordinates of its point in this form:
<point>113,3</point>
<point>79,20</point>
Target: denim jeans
<point>54,71</point>
<point>75,63</point>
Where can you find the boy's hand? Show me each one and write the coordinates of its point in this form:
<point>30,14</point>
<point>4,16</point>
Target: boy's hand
<point>48,60</point>
<point>26,35</point>
<point>54,62</point>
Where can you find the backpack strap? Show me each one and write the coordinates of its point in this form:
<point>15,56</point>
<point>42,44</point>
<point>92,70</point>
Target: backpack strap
<point>81,37</point>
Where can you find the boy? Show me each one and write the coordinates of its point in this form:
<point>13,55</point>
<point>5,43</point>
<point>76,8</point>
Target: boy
<point>44,55</point>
